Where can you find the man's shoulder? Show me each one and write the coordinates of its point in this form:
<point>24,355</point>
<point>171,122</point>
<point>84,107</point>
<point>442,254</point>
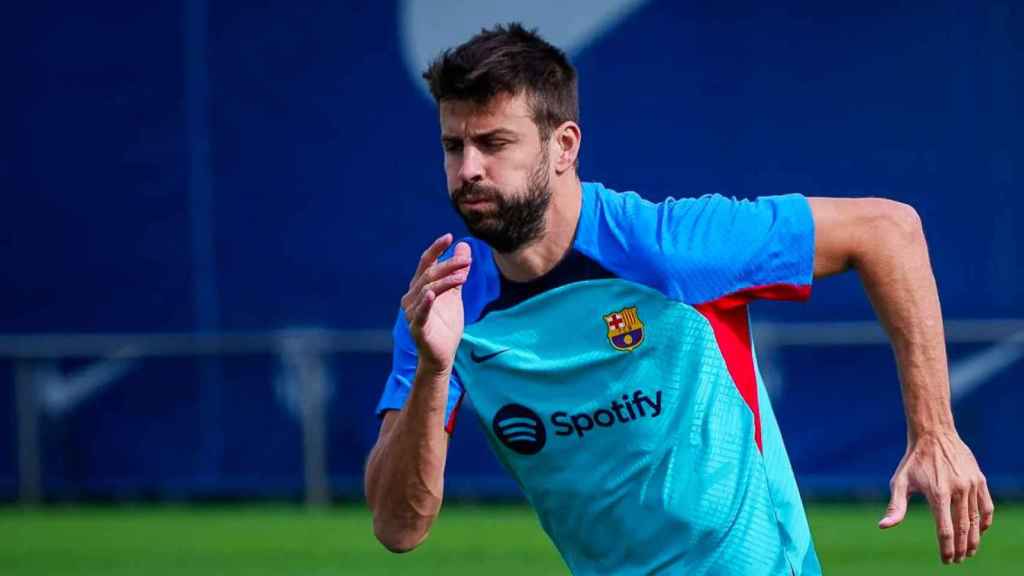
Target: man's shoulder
<point>600,195</point>
<point>633,220</point>
<point>631,209</point>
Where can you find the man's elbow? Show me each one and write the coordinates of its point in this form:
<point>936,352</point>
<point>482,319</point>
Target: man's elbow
<point>898,219</point>
<point>398,536</point>
<point>851,232</point>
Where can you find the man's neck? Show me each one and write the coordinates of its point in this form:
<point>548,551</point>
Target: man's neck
<point>540,256</point>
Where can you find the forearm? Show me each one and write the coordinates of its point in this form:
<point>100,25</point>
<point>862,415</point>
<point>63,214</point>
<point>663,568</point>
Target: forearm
<point>898,278</point>
<point>884,242</point>
<point>405,471</point>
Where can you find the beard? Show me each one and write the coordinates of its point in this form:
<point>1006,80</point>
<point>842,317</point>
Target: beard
<point>516,220</point>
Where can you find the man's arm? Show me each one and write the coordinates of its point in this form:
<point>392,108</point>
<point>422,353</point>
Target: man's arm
<point>405,472</point>
<point>404,479</point>
<point>884,241</point>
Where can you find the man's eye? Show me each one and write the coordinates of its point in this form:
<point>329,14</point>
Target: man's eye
<point>495,144</point>
<point>452,146</point>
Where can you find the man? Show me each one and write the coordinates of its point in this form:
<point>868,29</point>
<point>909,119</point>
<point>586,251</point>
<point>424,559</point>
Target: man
<point>605,342</point>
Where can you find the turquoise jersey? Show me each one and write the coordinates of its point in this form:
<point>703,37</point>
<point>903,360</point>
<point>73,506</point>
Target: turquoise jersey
<point>621,390</point>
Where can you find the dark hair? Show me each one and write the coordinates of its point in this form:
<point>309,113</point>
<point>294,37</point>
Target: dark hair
<point>509,59</point>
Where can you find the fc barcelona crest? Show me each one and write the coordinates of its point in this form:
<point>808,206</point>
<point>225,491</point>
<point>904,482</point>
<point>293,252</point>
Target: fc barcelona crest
<point>625,330</point>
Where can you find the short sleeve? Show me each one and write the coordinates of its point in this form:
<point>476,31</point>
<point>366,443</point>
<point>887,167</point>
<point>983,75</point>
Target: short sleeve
<point>699,250</point>
<point>741,248</point>
<point>403,369</point>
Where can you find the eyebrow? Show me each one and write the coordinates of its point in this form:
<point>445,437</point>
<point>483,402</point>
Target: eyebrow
<point>482,136</point>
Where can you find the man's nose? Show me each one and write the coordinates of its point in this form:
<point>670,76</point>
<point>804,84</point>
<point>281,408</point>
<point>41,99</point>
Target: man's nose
<point>472,168</point>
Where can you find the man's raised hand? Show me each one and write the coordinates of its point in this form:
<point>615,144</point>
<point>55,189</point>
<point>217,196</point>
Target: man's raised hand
<point>433,304</point>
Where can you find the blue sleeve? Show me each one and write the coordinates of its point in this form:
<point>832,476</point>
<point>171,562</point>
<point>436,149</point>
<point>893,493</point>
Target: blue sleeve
<point>403,370</point>
<point>698,250</point>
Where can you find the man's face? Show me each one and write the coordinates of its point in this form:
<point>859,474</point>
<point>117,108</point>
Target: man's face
<point>497,168</point>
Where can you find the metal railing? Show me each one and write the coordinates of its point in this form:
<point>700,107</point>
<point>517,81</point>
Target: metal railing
<point>304,351</point>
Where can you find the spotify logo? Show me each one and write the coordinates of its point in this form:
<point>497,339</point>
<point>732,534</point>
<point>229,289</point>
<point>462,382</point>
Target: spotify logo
<point>520,429</point>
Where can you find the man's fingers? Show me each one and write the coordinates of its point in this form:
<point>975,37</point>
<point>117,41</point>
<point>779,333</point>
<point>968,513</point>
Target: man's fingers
<point>442,269</point>
<point>974,538</point>
<point>433,279</point>
<point>432,253</point>
<point>462,250</point>
<point>421,311</point>
<point>943,525</point>
<point>988,508</point>
<point>435,269</point>
<point>461,258</point>
<point>897,503</point>
<point>442,285</point>
<point>961,509</point>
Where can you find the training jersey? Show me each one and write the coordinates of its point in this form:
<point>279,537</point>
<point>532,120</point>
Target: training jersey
<point>621,391</point>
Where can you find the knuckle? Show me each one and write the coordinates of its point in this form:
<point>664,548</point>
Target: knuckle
<point>945,535</point>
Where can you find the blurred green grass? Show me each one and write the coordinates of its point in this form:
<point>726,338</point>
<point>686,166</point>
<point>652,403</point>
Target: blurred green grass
<point>490,540</point>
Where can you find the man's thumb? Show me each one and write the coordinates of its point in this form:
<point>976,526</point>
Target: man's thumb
<point>897,505</point>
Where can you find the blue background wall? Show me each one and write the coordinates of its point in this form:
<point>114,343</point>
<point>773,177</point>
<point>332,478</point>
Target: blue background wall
<point>297,180</point>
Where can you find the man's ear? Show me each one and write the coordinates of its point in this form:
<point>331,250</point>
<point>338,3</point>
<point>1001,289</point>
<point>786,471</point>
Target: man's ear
<point>566,141</point>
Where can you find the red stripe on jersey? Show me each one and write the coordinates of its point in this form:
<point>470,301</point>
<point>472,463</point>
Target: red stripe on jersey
<point>449,427</point>
<point>731,325</point>
<point>766,292</point>
<point>732,332</point>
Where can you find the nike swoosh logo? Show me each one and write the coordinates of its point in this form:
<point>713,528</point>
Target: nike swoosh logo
<point>479,358</point>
